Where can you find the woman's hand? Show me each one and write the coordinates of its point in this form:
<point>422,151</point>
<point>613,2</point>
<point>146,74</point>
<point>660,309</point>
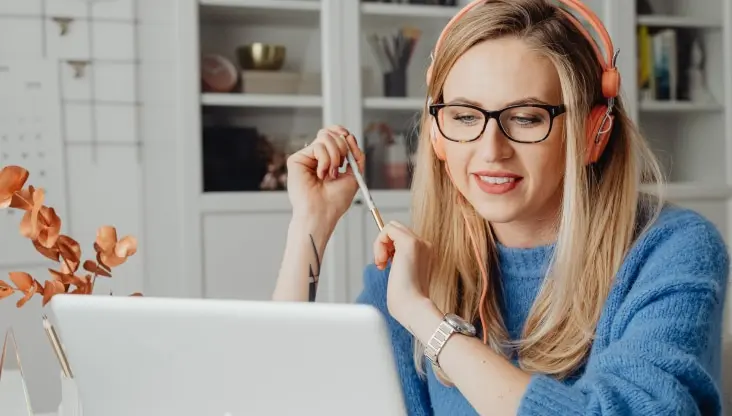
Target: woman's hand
<point>410,267</point>
<point>314,185</point>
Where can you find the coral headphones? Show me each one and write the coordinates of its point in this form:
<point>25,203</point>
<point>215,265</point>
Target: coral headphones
<point>600,120</point>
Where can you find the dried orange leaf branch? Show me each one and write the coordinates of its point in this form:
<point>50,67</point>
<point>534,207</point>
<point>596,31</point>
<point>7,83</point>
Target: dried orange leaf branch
<point>42,226</point>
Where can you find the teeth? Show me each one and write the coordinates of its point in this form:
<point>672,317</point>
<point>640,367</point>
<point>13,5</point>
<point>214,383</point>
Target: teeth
<point>495,180</point>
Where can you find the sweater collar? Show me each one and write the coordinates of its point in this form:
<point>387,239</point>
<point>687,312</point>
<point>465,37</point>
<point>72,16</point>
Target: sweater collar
<point>522,263</point>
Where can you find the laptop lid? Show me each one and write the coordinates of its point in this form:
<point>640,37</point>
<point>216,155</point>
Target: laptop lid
<point>194,357</point>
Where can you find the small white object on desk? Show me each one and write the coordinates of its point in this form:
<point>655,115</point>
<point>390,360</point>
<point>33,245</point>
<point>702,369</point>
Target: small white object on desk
<point>70,403</point>
<point>13,399</point>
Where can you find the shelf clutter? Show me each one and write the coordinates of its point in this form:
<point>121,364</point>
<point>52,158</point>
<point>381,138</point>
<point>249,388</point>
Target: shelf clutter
<point>682,91</point>
<point>680,86</point>
<point>251,118</point>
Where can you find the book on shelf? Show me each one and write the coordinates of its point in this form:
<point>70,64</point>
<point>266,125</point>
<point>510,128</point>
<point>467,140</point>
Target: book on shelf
<point>664,63</point>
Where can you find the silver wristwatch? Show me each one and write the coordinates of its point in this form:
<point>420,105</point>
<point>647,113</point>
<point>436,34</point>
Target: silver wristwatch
<point>450,324</point>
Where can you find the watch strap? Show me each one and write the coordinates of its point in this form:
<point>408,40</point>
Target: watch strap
<point>437,341</point>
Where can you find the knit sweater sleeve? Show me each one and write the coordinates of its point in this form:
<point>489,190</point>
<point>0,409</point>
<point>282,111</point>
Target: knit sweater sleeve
<point>414,387</point>
<point>662,356</point>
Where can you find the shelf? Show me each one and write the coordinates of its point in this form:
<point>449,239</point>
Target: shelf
<point>409,10</point>
<point>278,201</point>
<point>244,202</point>
<point>394,103</point>
<point>693,191</point>
<point>261,100</point>
<point>678,22</point>
<point>677,106</point>
<point>386,15</point>
<point>261,12</point>
<point>269,201</point>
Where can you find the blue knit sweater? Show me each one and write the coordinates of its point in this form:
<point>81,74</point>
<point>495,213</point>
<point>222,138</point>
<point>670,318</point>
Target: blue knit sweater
<point>657,349</point>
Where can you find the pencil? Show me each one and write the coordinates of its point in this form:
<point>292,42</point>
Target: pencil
<point>56,344</point>
<point>364,189</point>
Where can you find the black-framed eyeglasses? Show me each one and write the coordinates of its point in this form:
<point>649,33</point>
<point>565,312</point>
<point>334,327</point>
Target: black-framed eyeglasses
<point>522,123</point>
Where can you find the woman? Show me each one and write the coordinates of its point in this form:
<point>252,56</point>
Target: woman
<point>588,297</point>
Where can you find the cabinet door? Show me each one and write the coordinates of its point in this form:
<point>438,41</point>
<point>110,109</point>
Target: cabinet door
<point>242,254</point>
<point>243,251</point>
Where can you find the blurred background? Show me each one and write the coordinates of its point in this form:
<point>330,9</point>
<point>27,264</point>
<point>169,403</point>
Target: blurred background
<point>171,120</point>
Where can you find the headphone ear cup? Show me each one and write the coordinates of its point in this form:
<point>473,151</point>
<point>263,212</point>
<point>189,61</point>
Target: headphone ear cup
<point>599,127</point>
<point>437,141</point>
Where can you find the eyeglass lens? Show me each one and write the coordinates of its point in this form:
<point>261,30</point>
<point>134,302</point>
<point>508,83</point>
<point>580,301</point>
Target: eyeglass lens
<point>522,124</point>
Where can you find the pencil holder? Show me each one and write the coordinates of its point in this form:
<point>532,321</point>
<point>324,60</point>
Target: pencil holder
<point>14,398</point>
<point>395,83</point>
<point>70,403</point>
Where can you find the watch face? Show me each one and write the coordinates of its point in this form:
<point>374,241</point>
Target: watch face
<point>460,324</point>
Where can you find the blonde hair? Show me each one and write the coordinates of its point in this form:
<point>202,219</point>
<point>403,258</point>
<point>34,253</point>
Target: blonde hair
<point>602,204</point>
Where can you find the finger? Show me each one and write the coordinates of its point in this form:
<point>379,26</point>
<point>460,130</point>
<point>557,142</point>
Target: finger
<point>383,249</point>
<point>336,156</point>
<point>303,157</point>
<point>340,141</point>
<point>386,242</point>
<point>338,130</point>
<point>320,153</point>
<point>403,228</point>
<point>309,155</point>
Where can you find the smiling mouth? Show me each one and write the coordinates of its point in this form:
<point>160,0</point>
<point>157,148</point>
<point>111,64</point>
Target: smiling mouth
<point>497,184</point>
<point>497,180</point>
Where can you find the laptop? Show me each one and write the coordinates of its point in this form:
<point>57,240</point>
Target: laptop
<point>201,357</point>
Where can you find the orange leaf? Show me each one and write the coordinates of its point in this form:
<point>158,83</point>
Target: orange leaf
<point>69,248</point>
<point>67,278</point>
<point>126,247</point>
<point>29,294</point>
<point>23,281</point>
<point>92,267</point>
<point>23,199</point>
<point>51,227</point>
<point>29,226</point>
<point>4,285</point>
<point>136,294</point>
<point>110,260</point>
<point>52,287</point>
<point>38,285</point>
<point>12,179</point>
<point>51,253</point>
<point>106,238</point>
<point>56,275</point>
<point>101,262</point>
<point>5,292</point>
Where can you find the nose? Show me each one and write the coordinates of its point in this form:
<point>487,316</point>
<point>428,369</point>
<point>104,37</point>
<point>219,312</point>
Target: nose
<point>494,146</point>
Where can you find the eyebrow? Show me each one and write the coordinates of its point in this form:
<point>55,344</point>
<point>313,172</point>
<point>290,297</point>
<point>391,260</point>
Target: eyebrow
<point>526,100</point>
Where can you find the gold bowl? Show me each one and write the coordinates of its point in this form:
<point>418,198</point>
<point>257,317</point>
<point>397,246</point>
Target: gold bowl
<point>261,56</point>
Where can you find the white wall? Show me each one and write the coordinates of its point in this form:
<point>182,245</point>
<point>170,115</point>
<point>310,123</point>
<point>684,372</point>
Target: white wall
<point>100,158</point>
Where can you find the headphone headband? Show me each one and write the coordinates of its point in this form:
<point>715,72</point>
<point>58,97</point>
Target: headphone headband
<point>610,76</point>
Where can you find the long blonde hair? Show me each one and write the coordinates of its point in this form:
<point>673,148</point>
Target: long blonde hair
<point>600,212</point>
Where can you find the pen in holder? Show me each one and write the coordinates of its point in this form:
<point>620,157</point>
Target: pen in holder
<point>57,348</point>
<point>70,404</point>
<point>393,53</point>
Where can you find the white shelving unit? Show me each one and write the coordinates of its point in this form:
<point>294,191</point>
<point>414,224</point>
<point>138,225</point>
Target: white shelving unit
<point>238,236</point>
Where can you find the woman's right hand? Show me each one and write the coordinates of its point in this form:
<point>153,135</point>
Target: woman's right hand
<point>317,190</point>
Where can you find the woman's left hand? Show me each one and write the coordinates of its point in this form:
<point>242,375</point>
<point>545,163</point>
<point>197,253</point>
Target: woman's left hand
<point>410,268</point>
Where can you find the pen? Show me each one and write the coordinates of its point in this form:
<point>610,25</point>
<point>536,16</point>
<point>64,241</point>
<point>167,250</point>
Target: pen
<point>364,189</point>
<point>56,344</point>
